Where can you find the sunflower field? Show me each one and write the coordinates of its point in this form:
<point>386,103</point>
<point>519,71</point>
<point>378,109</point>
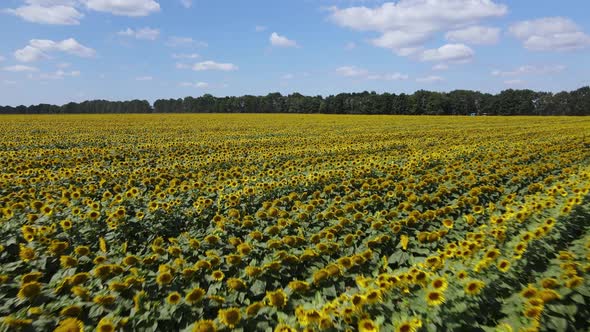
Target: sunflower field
<point>294,223</point>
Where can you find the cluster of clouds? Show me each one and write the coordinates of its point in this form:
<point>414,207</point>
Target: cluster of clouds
<point>406,27</point>
<point>70,12</point>
<point>441,33</point>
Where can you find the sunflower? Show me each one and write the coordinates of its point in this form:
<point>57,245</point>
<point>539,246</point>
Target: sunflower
<point>30,277</point>
<point>236,283</point>
<point>299,286</point>
<point>404,240</point>
<point>533,312</point>
<point>284,328</point>
<point>217,275</point>
<point>229,317</point>
<point>503,265</point>
<point>474,287</point>
<point>26,254</point>
<point>66,224</point>
<point>358,300</point>
<point>406,326</point>
<point>67,261</point>
<point>164,278</point>
<point>574,282</point>
<point>320,276</point>
<point>130,260</point>
<point>204,325</point>
<point>277,298</point>
<point>71,311</point>
<point>440,284</point>
<point>105,325</point>
<point>174,298</point>
<point>529,292</point>
<point>29,290</point>
<point>367,325</point>
<point>252,309</point>
<point>70,325</point>
<point>79,291</point>
<point>104,299</point>
<point>373,296</point>
<point>195,295</point>
<point>549,283</point>
<point>82,250</point>
<point>548,295</point>
<point>435,298</point>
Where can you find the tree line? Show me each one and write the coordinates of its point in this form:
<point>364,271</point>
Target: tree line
<point>422,102</point>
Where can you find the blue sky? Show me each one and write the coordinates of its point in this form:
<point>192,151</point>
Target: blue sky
<point>56,51</point>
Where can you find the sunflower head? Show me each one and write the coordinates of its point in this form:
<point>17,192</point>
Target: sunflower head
<point>277,298</point>
<point>105,325</point>
<point>367,325</point>
<point>174,298</point>
<point>434,298</point>
<point>229,317</point>
<point>195,295</point>
<point>474,287</point>
<point>70,325</point>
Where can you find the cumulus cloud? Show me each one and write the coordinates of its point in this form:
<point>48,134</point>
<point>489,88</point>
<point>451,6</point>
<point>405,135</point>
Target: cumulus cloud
<point>208,65</point>
<point>186,3</point>
<point>185,56</point>
<point>198,85</point>
<point>39,49</point>
<point>176,41</point>
<point>143,33</point>
<point>530,70</point>
<point>281,41</point>
<point>406,25</point>
<point>475,35</point>
<point>124,7</point>
<point>440,67</point>
<point>59,75</point>
<point>48,12</point>
<point>360,73</point>
<point>144,78</point>
<point>514,82</point>
<point>260,28</point>
<point>550,34</point>
<point>430,79</point>
<point>20,68</point>
<point>457,53</point>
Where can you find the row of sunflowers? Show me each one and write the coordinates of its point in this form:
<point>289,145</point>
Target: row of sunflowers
<point>293,223</point>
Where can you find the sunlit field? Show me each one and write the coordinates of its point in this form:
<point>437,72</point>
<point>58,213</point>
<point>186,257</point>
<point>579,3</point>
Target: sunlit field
<point>294,222</point>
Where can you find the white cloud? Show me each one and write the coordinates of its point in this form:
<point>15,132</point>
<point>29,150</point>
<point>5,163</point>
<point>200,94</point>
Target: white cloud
<point>209,65</point>
<point>351,71</point>
<point>144,78</point>
<point>404,26</point>
<point>59,75</point>
<point>388,77</point>
<point>360,73</point>
<point>288,77</point>
<point>124,7</point>
<point>430,79</point>
<point>514,82</point>
<point>38,49</point>
<point>143,33</point>
<point>530,70</point>
<point>474,35</point>
<point>457,53</point>
<point>260,28</point>
<point>550,34</point>
<point>281,41</point>
<point>2,58</point>
<point>186,3</point>
<point>48,13</point>
<point>185,56</point>
<point>176,41</point>
<point>20,68</point>
<point>350,46</point>
<point>9,82</point>
<point>198,85</point>
<point>440,67</point>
